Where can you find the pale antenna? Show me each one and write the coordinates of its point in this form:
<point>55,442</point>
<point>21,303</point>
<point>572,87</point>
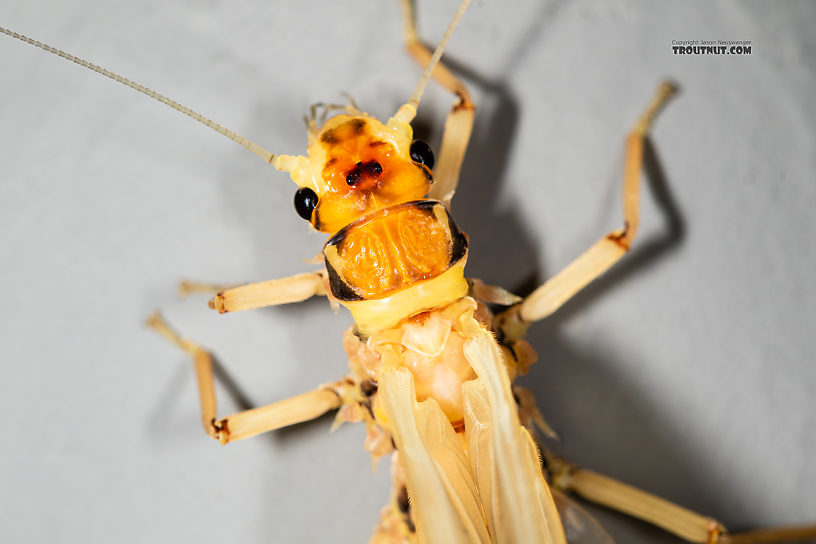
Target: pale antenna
<point>408,111</point>
<point>281,162</point>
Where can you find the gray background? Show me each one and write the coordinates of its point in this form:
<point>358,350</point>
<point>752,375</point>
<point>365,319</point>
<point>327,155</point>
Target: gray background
<point>687,371</point>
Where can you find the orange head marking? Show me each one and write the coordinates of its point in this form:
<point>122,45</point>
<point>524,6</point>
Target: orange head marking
<point>355,166</point>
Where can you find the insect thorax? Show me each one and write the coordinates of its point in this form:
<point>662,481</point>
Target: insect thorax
<point>397,262</point>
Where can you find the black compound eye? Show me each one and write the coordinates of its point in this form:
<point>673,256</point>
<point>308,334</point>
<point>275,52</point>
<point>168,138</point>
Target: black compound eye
<point>422,153</point>
<point>305,202</point>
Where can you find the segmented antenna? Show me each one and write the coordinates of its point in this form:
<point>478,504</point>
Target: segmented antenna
<point>279,162</point>
<point>423,81</point>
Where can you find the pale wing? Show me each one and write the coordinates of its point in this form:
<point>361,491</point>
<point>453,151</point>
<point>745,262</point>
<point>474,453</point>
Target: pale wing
<point>442,491</point>
<point>479,437</point>
<point>579,525</point>
<point>480,447</point>
<point>521,507</point>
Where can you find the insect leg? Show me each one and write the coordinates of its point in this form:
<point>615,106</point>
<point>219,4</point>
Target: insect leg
<point>596,260</point>
<point>674,518</point>
<point>630,500</point>
<point>257,295</point>
<point>529,414</point>
<point>248,423</point>
<point>191,287</point>
<point>459,122</point>
<point>491,293</point>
